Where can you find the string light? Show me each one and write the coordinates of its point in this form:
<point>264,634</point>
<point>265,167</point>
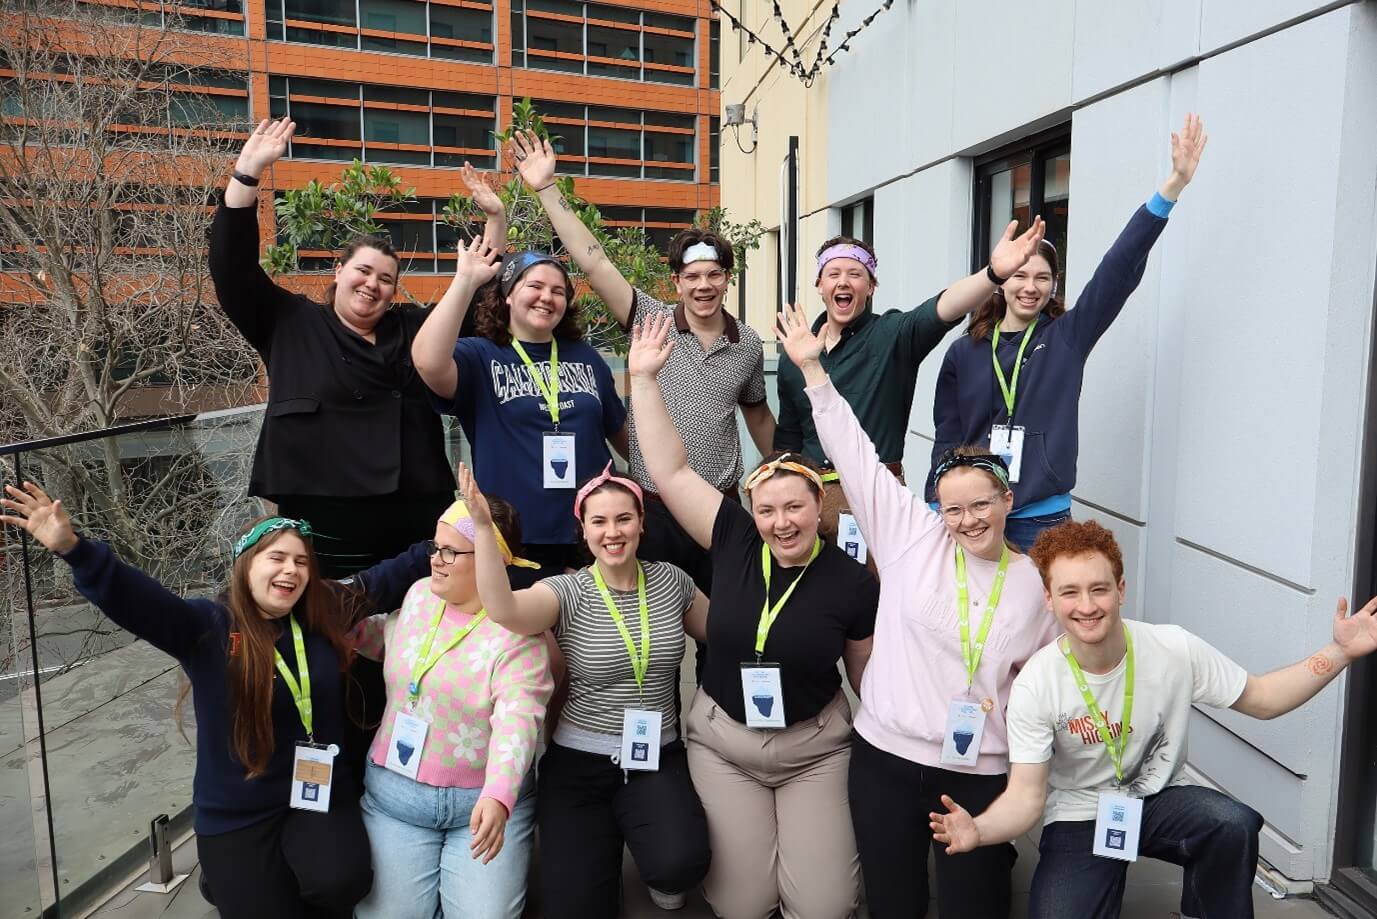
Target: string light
<point>795,65</point>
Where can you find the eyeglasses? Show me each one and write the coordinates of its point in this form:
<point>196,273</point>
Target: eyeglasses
<point>716,276</point>
<point>447,555</point>
<point>980,509</point>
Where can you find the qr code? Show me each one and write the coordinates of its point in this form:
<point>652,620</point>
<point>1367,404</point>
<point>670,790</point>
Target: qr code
<point>1118,814</point>
<point>1115,839</point>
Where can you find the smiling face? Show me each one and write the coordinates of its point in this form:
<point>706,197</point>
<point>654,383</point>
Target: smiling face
<point>363,288</point>
<point>1085,596</point>
<point>984,506</point>
<point>845,286</point>
<point>701,287</point>
<point>538,302</point>
<point>278,573</point>
<point>454,581</point>
<point>612,526</point>
<point>1029,289</point>
<point>785,508</point>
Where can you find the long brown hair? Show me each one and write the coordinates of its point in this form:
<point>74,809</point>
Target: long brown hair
<point>251,668</point>
<point>988,314</point>
<point>493,315</point>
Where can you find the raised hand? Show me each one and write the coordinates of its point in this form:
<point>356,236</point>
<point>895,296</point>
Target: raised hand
<point>797,337</point>
<point>955,829</point>
<point>481,193</point>
<point>650,346</point>
<point>1011,252</point>
<point>1186,148</point>
<point>45,520</point>
<point>478,261</point>
<point>478,505</point>
<point>1356,635</point>
<point>488,827</point>
<point>535,159</point>
<point>265,146</point>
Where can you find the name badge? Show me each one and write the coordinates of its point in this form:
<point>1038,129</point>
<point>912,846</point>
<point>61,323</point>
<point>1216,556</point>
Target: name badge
<point>640,740</point>
<point>1008,443</point>
<point>849,538</point>
<point>965,728</point>
<point>313,769</point>
<point>1117,823</point>
<point>558,460</point>
<point>404,749</point>
<point>763,694</point>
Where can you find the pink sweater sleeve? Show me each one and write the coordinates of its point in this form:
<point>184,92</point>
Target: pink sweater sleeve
<point>370,636</point>
<point>891,517</point>
<point>521,690</point>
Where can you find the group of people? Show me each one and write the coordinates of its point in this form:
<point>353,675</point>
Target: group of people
<point>980,628</point>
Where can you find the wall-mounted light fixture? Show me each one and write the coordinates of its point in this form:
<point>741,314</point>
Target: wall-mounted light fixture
<point>735,117</point>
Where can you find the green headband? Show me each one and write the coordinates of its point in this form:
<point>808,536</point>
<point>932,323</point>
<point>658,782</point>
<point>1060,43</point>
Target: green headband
<point>989,462</point>
<point>271,525</point>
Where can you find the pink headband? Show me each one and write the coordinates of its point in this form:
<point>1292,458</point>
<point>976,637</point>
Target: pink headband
<point>603,478</point>
<point>846,250</point>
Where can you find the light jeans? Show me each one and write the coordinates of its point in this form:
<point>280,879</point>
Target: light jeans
<point>422,866</point>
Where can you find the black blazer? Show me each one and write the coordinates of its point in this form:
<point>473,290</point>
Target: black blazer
<point>344,417</point>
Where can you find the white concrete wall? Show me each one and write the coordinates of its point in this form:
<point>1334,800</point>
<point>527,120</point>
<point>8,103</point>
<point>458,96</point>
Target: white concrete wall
<point>1222,414</point>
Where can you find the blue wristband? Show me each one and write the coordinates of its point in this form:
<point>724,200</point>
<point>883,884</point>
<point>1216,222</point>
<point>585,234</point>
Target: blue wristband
<point>1159,206</point>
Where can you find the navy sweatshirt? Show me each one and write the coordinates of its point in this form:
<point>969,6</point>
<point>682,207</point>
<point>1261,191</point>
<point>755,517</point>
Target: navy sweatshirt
<point>196,633</point>
<point>968,399</point>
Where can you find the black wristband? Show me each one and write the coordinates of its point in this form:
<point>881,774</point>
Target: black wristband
<point>543,187</point>
<point>242,179</point>
<point>994,278</point>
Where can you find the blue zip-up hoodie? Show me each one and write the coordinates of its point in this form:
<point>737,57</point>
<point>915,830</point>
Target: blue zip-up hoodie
<point>968,400</point>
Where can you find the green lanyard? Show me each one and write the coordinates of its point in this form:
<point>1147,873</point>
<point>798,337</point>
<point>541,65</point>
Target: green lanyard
<point>1010,390</point>
<point>301,692</point>
<point>550,389</point>
<point>768,614</point>
<point>640,660</point>
<point>1115,748</point>
<point>963,612</point>
<point>425,661</point>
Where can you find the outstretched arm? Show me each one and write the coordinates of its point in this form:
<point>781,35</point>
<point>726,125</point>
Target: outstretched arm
<point>495,229</point>
<point>535,160</point>
<point>1283,690</point>
<point>1012,814</point>
<point>432,351</point>
<point>1008,256</point>
<point>692,501</point>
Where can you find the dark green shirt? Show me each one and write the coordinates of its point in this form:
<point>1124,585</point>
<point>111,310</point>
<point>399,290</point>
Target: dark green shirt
<point>874,366</point>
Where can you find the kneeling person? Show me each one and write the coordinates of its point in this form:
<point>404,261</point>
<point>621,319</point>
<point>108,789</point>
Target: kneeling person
<point>1101,715</point>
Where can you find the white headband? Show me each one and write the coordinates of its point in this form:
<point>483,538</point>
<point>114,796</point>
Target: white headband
<point>701,252</point>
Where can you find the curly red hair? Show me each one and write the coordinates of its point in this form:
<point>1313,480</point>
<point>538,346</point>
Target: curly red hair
<point>1075,537</point>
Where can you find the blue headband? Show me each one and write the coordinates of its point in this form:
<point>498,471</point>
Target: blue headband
<point>518,263</point>
<point>989,462</point>
<point>271,525</point>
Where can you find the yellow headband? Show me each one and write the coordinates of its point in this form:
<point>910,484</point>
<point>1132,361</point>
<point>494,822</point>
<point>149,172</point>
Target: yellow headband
<point>457,516</point>
<point>766,470</point>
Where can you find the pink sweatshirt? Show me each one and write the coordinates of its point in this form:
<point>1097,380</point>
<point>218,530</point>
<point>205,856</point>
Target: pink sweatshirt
<point>484,699</point>
<point>916,668</point>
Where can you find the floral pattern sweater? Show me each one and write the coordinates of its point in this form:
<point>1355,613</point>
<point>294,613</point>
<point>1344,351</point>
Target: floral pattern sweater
<point>484,700</point>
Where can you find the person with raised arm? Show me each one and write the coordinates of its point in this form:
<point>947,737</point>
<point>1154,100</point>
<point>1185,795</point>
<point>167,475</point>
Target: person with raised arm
<point>1027,408</point>
<point>615,774</point>
<point>1100,717</point>
<point>768,733</point>
<point>716,368</point>
<point>960,613</point>
<point>278,831</point>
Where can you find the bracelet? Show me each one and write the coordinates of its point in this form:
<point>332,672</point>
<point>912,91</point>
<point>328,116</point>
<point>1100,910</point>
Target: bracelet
<point>543,187</point>
<point>994,278</point>
<point>242,179</point>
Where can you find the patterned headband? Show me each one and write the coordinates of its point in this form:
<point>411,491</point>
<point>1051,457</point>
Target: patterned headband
<point>271,525</point>
<point>989,462</point>
<point>518,263</point>
<point>603,478</point>
<point>701,252</point>
<point>766,470</point>
<point>846,250</point>
<point>457,516</point>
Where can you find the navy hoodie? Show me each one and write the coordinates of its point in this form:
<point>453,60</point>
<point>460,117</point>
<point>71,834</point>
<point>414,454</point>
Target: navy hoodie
<point>968,400</point>
<point>196,633</point>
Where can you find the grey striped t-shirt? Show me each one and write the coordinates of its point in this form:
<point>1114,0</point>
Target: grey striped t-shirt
<point>601,682</point>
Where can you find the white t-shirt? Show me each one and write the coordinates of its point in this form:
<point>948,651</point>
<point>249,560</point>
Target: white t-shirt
<point>1048,718</point>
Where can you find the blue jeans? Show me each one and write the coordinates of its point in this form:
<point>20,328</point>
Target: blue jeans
<point>422,866</point>
<point>1208,833</point>
<point>1022,531</point>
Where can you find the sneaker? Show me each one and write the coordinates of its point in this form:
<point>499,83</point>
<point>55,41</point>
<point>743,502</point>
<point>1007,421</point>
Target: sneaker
<point>667,900</point>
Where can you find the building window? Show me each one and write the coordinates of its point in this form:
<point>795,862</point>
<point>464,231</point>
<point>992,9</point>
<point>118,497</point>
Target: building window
<point>606,41</point>
<point>385,124</point>
<point>1019,182</point>
<point>622,143</point>
<point>222,17</point>
<point>424,240</point>
<point>416,27</point>
<point>714,53</point>
<point>714,149</point>
<point>858,220</point>
<point>661,224</point>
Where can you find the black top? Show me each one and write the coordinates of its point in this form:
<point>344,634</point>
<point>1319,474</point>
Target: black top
<point>344,417</point>
<point>835,602</point>
<point>195,631</point>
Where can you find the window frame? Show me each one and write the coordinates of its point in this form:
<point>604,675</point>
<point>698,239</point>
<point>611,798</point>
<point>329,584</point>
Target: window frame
<point>1035,151</point>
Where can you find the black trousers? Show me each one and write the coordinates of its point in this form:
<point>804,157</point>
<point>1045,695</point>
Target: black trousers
<point>891,798</point>
<point>587,809</point>
<point>292,865</point>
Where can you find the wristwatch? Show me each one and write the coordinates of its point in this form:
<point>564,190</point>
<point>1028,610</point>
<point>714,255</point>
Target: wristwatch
<point>242,179</point>
<point>995,279</point>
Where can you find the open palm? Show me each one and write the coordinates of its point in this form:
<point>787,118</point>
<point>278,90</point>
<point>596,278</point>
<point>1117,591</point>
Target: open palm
<point>797,337</point>
<point>45,520</point>
<point>265,146</point>
<point>535,158</point>
<point>955,829</point>
<point>481,193</point>
<point>1356,634</point>
<point>650,346</point>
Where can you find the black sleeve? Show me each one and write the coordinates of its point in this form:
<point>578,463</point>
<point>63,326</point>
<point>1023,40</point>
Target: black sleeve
<point>733,530</point>
<point>247,295</point>
<point>865,600</point>
<point>383,587</point>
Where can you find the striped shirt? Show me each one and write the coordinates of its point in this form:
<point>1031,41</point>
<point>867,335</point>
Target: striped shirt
<point>601,682</point>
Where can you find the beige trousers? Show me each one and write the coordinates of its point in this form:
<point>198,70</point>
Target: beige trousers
<point>779,818</point>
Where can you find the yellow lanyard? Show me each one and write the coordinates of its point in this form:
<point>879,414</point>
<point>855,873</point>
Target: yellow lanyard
<point>1115,747</point>
<point>768,614</point>
<point>640,660</point>
<point>971,655</point>
<point>549,389</point>
<point>425,661</point>
<point>301,692</point>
